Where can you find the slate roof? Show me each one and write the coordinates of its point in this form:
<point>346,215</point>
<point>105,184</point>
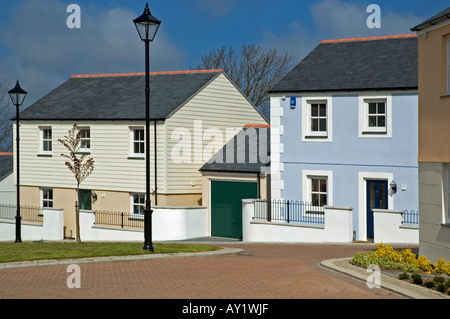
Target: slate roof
<point>119,96</point>
<point>444,14</point>
<point>356,64</point>
<point>6,164</point>
<point>247,152</point>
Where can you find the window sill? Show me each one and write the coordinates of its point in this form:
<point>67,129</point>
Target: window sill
<point>445,96</point>
<point>45,155</point>
<point>135,157</point>
<point>316,137</point>
<point>373,133</point>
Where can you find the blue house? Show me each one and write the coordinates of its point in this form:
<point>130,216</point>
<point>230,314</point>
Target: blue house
<point>344,128</point>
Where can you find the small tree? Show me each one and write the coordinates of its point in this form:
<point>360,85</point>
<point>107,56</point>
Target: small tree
<point>79,165</point>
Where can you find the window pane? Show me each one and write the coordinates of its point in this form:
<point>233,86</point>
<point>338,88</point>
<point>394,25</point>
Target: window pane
<point>372,108</point>
<point>315,185</point>
<point>323,125</point>
<point>315,199</point>
<point>372,121</point>
<point>323,185</point>
<point>314,125</point>
<point>381,108</point>
<point>314,110</point>
<point>323,110</point>
<point>85,133</point>
<point>381,121</point>
<point>323,199</point>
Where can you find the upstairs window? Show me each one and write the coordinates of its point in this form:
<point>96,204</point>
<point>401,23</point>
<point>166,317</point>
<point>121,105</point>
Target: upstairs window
<point>316,123</point>
<point>318,118</point>
<point>375,116</point>
<point>138,142</point>
<point>46,140</point>
<point>85,140</point>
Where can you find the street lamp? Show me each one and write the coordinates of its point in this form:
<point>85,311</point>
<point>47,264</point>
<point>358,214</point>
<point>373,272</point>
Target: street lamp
<point>17,95</point>
<point>147,26</point>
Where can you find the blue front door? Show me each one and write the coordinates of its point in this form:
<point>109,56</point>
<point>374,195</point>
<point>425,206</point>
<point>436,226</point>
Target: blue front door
<point>377,197</point>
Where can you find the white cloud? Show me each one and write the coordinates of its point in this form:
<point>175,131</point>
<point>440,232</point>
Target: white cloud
<point>336,19</point>
<point>346,19</point>
<point>48,52</point>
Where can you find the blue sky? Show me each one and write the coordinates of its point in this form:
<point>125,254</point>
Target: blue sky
<point>37,47</point>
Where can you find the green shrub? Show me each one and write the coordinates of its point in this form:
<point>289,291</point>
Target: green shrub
<point>403,276</point>
<point>429,284</point>
<point>441,288</point>
<point>439,280</point>
<point>417,279</point>
<point>447,283</point>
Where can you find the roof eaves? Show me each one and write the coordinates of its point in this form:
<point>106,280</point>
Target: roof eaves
<point>441,16</point>
<point>408,88</point>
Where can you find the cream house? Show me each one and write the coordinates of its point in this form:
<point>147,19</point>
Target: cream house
<point>434,134</point>
<point>193,114</point>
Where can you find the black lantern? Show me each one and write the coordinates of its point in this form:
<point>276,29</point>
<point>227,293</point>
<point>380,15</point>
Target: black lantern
<point>17,95</point>
<point>147,25</point>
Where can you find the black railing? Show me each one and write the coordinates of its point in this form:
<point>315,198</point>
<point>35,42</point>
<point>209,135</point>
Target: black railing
<point>28,213</point>
<point>119,219</point>
<point>289,211</point>
<point>411,217</point>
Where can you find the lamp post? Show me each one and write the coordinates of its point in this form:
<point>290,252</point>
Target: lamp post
<point>147,26</point>
<point>17,95</point>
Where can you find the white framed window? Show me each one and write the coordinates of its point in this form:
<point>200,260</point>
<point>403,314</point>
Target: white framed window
<point>85,139</point>
<point>317,119</point>
<point>317,187</point>
<point>137,204</point>
<point>47,197</point>
<point>375,116</point>
<point>319,190</point>
<point>137,142</point>
<point>46,145</point>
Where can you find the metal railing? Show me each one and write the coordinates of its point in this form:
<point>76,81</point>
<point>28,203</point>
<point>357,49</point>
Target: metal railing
<point>411,217</point>
<point>119,219</point>
<point>28,213</point>
<point>289,211</point>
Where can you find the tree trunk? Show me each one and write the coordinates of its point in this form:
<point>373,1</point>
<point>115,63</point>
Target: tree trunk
<point>77,217</point>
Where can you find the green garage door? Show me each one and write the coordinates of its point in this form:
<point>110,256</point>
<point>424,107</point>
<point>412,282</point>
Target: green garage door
<point>226,207</point>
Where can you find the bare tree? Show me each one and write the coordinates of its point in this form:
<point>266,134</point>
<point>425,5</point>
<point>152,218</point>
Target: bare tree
<point>6,114</point>
<point>253,69</point>
<point>78,166</point>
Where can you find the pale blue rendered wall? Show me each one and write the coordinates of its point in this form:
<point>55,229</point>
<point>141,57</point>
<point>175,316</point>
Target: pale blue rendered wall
<point>348,154</point>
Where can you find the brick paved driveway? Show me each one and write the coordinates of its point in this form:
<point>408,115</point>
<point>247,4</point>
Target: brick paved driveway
<point>261,271</point>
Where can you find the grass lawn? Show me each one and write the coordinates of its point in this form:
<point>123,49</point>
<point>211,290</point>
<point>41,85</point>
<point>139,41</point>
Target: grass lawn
<point>26,251</point>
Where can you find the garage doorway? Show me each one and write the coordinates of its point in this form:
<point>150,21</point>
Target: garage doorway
<point>226,206</point>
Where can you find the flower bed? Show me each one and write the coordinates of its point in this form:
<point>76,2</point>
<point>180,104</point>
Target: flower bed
<point>405,260</point>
